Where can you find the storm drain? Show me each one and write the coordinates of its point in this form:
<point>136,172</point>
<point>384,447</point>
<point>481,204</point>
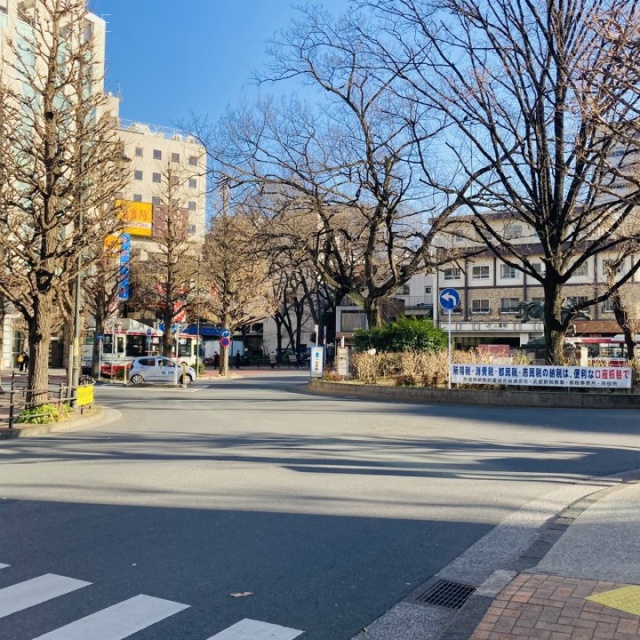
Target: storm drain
<point>444,593</point>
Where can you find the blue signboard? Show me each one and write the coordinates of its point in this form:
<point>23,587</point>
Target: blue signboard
<point>449,299</point>
<point>125,256</point>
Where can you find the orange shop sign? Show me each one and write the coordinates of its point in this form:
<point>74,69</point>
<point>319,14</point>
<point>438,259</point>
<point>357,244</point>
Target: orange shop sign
<point>137,216</point>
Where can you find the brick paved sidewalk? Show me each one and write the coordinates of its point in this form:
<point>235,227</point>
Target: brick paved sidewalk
<point>547,607</point>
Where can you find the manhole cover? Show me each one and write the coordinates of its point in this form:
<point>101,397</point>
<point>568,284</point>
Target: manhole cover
<point>444,593</point>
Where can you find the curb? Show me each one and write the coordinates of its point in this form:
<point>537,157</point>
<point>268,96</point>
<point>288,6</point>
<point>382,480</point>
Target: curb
<point>80,421</point>
<point>478,397</point>
<point>413,619</point>
<point>463,625</point>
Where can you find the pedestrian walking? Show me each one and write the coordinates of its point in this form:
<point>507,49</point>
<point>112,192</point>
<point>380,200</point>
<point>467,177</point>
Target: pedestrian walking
<point>23,360</point>
<point>216,360</point>
<point>238,359</point>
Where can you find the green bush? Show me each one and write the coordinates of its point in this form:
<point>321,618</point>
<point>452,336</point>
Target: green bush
<point>44,414</point>
<point>406,334</point>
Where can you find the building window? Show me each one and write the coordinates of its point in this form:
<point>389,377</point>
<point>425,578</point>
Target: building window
<point>582,270</point>
<point>137,197</point>
<point>138,152</point>
<point>480,306</point>
<point>175,157</point>
<point>192,205</point>
<point>156,200</point>
<point>538,267</point>
<point>193,161</point>
<point>607,306</point>
<point>480,273</point>
<point>192,229</point>
<point>459,239</point>
<point>156,177</point>
<point>3,6</point>
<point>405,291</point>
<point>174,181</point>
<point>137,175</point>
<point>352,320</point>
<point>573,301</point>
<point>157,154</point>
<point>513,231</point>
<point>193,183</point>
<point>451,274</point>
<point>509,305</point>
<point>507,272</point>
<point>427,290</point>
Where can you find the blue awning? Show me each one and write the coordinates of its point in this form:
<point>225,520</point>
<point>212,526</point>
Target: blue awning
<point>206,331</point>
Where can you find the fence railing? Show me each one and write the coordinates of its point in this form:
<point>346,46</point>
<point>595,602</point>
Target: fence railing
<point>59,395</point>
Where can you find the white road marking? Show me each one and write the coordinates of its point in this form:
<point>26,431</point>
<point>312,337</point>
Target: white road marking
<point>3,566</point>
<point>254,630</point>
<point>31,592</point>
<point>119,621</point>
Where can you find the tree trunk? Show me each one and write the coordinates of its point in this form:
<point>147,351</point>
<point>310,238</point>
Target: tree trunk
<point>554,331</point>
<point>372,309</point>
<point>39,341</point>
<point>99,331</point>
<point>622,318</point>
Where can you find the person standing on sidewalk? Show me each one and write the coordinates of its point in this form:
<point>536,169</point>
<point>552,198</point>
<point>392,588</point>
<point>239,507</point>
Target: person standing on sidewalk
<point>23,361</point>
<point>272,360</point>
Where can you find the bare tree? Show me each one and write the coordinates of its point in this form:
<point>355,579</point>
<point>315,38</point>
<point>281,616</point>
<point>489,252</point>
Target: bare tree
<point>166,281</point>
<point>61,163</point>
<point>545,96</point>
<point>239,279</point>
<point>341,179</point>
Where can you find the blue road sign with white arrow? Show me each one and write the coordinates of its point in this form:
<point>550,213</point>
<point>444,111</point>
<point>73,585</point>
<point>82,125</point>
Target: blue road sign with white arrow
<point>449,299</point>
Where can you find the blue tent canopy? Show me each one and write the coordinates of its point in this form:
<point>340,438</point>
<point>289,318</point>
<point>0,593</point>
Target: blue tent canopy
<point>206,331</point>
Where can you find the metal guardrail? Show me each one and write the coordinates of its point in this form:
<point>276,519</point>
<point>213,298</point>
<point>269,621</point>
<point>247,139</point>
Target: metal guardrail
<point>58,395</point>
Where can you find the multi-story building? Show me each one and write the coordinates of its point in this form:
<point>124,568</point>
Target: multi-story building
<point>491,291</point>
<point>18,29</point>
<point>164,163</point>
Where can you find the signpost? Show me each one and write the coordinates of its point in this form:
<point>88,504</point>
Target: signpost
<point>317,362</point>
<point>449,300</point>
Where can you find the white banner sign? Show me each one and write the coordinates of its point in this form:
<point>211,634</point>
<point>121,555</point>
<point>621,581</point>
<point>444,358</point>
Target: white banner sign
<point>317,362</point>
<point>542,375</point>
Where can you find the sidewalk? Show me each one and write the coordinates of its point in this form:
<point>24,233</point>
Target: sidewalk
<point>585,587</point>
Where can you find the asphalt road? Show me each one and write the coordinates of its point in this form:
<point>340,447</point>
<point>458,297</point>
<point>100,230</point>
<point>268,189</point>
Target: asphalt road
<point>327,511</point>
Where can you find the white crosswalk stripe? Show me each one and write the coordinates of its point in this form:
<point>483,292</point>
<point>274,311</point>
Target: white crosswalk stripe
<point>254,630</point>
<point>32,592</point>
<point>119,621</point>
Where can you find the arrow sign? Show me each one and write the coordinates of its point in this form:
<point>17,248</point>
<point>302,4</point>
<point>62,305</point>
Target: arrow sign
<point>449,299</point>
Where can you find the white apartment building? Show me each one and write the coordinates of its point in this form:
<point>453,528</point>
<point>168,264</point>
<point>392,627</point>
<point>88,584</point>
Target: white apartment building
<point>17,19</point>
<point>160,155</point>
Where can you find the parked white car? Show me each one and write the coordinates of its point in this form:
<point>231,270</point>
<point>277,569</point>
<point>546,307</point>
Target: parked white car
<point>159,369</point>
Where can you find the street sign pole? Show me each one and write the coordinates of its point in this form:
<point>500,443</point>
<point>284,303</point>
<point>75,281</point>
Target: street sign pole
<point>449,300</point>
<point>450,359</point>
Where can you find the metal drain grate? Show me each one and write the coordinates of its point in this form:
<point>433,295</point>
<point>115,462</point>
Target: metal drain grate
<point>444,593</point>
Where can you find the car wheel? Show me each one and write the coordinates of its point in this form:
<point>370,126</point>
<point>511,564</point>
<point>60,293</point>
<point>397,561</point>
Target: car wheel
<point>188,379</point>
<point>136,378</point>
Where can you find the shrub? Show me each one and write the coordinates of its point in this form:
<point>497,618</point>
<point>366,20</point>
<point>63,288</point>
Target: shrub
<point>44,414</point>
<point>406,334</point>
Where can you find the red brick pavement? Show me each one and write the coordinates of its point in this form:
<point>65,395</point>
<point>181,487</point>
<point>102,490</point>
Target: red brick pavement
<point>545,607</point>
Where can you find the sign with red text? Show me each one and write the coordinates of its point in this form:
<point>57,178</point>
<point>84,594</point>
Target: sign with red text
<point>542,376</point>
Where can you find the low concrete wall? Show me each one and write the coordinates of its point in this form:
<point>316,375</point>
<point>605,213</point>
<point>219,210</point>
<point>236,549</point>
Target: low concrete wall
<point>483,397</point>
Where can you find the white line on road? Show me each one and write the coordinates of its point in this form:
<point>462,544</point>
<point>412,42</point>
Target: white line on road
<point>3,566</point>
<point>119,621</point>
<point>254,630</point>
<point>31,592</point>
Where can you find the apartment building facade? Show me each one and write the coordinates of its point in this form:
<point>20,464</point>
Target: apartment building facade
<point>491,291</point>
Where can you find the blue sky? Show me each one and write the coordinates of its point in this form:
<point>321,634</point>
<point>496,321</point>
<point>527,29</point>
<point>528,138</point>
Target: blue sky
<point>168,58</point>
